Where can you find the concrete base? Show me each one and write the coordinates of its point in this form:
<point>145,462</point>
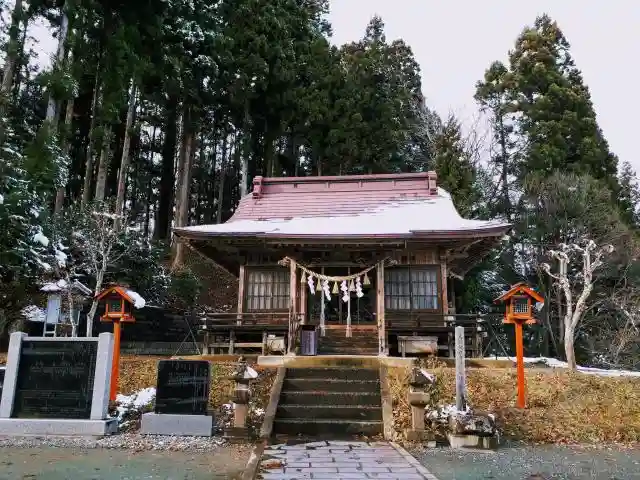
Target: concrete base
<point>421,436</point>
<point>179,425</point>
<point>472,442</point>
<point>21,427</point>
<point>292,361</point>
<point>236,434</point>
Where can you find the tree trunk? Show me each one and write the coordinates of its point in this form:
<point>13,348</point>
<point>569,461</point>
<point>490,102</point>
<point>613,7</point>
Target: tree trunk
<point>68,118</point>
<point>12,50</point>
<point>569,349</point>
<point>221,178</point>
<point>94,304</point>
<point>184,182</point>
<point>52,105</point>
<point>88,171</point>
<point>103,166</point>
<point>244,157</point>
<point>124,161</point>
<point>167,178</point>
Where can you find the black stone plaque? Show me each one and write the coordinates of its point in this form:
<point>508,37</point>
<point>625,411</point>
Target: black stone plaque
<point>1,380</point>
<point>55,379</point>
<point>183,387</point>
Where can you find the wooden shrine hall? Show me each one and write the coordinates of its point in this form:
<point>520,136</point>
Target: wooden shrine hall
<point>364,260</point>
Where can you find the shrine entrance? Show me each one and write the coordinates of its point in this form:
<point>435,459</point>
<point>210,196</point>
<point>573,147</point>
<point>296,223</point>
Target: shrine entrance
<point>361,309</point>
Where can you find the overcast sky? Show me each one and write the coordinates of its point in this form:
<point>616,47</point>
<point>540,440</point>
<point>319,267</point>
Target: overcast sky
<point>454,41</point>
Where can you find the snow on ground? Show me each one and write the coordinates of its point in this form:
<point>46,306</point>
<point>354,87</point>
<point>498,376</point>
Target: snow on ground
<point>134,402</point>
<point>555,363</point>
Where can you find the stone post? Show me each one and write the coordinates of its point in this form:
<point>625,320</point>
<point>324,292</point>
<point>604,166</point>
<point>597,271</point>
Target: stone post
<point>11,374</point>
<point>102,379</point>
<point>418,398</point>
<point>460,370</point>
<point>243,376</point>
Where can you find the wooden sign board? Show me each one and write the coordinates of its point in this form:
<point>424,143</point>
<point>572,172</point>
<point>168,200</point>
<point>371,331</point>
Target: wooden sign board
<point>183,387</point>
<point>55,380</point>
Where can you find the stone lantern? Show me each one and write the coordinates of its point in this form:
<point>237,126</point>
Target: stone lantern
<point>241,396</point>
<point>419,397</point>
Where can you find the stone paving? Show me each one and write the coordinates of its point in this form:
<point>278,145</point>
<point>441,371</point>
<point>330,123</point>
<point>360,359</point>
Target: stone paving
<point>340,460</point>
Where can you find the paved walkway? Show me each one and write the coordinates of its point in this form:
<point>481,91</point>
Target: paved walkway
<point>340,460</point>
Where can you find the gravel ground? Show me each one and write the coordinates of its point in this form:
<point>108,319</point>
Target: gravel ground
<point>125,441</point>
<point>545,462</point>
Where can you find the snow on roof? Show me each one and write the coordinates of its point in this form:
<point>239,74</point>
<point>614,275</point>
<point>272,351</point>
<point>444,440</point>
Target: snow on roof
<point>136,298</point>
<point>435,214</point>
<point>33,313</point>
<point>62,285</point>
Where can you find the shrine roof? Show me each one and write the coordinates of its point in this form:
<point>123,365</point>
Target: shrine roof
<point>356,206</point>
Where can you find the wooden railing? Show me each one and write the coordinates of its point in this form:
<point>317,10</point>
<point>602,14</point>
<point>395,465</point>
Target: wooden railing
<point>425,320</point>
<point>244,318</point>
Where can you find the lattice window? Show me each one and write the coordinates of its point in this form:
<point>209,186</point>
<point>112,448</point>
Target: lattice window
<point>267,289</point>
<point>411,288</point>
<point>520,305</point>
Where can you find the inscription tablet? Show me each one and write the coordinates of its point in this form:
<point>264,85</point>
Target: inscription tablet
<point>183,387</point>
<point>55,379</point>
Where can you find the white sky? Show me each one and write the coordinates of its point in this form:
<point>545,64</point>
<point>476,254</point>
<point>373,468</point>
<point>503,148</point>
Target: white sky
<point>454,41</point>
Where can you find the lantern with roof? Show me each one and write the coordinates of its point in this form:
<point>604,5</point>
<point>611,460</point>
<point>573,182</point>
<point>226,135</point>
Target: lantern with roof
<point>119,302</point>
<point>519,301</point>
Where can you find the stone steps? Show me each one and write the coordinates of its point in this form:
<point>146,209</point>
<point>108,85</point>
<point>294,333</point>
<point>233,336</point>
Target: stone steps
<point>328,412</point>
<point>327,427</point>
<point>328,398</point>
<point>331,385</point>
<point>330,401</point>
<point>360,343</point>
<point>353,373</point>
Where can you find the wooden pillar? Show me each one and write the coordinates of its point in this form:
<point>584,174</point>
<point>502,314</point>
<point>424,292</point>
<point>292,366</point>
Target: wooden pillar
<point>520,364</point>
<point>293,310</point>
<point>382,330</point>
<point>322,312</point>
<point>241,283</point>
<point>303,301</point>
<point>443,282</point>
<point>232,342</point>
<point>115,366</point>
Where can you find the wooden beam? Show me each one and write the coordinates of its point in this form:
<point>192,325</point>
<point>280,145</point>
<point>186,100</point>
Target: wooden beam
<point>443,283</point>
<point>241,283</point>
<point>382,330</point>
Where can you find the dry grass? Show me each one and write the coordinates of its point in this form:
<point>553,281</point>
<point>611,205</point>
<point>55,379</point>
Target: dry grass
<point>138,372</point>
<point>563,407</point>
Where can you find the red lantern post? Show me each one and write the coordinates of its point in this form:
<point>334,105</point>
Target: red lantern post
<point>118,307</point>
<point>518,311</point>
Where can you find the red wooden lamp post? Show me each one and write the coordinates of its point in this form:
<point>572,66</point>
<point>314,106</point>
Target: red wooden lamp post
<point>519,302</point>
<point>119,302</point>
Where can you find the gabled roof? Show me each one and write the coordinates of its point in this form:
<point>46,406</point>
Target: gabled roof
<point>518,289</point>
<point>129,295</point>
<point>406,205</point>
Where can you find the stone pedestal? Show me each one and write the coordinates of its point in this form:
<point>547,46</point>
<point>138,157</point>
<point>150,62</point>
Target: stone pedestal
<point>472,430</point>
<point>25,427</point>
<point>175,424</point>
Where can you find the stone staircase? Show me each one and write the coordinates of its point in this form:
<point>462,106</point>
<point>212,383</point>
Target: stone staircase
<point>334,401</point>
<point>361,342</point>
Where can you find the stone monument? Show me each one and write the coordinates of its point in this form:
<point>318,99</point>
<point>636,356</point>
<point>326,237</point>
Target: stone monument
<point>57,386</point>
<point>2,369</point>
<point>182,397</point>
